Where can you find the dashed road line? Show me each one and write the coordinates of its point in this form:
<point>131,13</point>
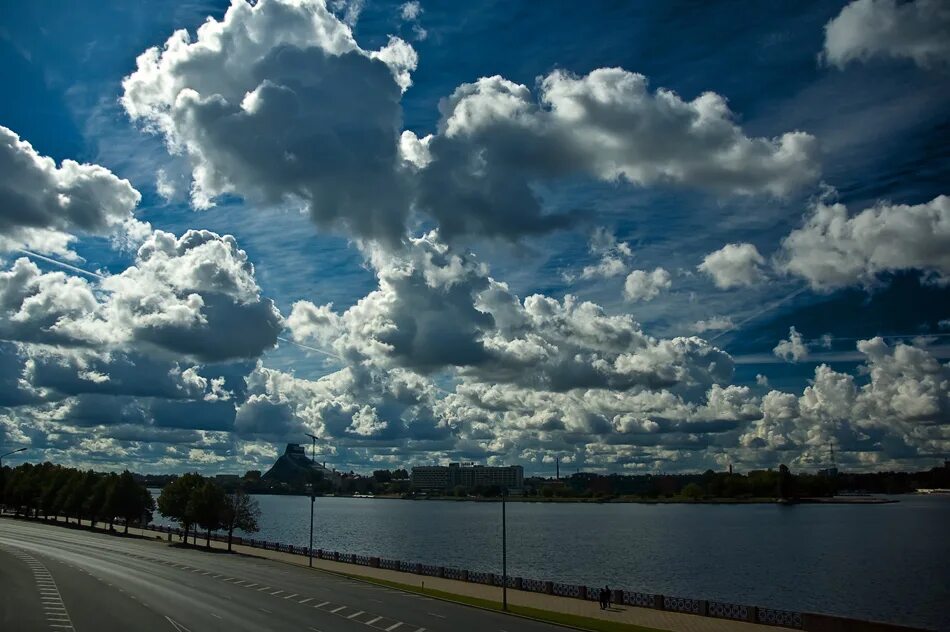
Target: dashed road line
<point>355,614</point>
<point>54,609</point>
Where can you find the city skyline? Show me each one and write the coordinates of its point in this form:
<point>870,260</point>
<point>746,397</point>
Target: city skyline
<point>423,233</point>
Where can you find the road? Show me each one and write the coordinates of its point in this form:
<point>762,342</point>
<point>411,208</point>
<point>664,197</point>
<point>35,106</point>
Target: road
<point>66,580</point>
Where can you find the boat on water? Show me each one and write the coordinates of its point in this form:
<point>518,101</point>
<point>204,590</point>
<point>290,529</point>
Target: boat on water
<point>936,490</point>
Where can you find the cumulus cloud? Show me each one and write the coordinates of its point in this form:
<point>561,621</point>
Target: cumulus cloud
<point>646,286</point>
<point>195,295</point>
<point>918,30</point>
<point>277,103</point>
<point>834,249</point>
<point>793,349</point>
<point>495,139</point>
<point>734,265</point>
<point>437,309</point>
<point>902,411</point>
<point>42,205</point>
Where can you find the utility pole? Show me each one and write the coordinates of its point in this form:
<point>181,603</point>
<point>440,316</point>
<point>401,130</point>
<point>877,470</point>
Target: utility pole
<point>313,494</point>
<point>504,550</point>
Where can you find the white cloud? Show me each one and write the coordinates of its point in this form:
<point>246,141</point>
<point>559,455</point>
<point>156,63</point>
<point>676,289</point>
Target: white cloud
<point>164,186</point>
<point>195,295</point>
<point>716,323</point>
<point>835,250</point>
<point>734,265</point>
<point>646,286</point>
<point>277,103</point>
<point>42,205</point>
<point>495,138</point>
<point>865,29</point>
<point>613,256</point>
<point>793,349</point>
<point>410,10</point>
<point>903,411</point>
<point>436,309</point>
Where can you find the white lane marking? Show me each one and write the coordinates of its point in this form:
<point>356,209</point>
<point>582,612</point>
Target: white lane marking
<point>263,588</point>
<point>305,600</point>
<point>178,627</point>
<point>206,573</point>
<point>372,621</point>
<point>335,610</point>
<point>52,602</point>
<point>250,585</point>
<point>394,626</point>
<point>315,630</point>
<point>435,615</point>
<point>265,610</point>
<point>355,614</point>
<point>320,605</point>
<point>216,616</point>
<point>276,592</point>
<point>291,596</point>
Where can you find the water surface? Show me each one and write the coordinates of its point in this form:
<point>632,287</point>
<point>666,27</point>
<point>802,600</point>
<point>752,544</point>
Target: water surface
<point>884,562</point>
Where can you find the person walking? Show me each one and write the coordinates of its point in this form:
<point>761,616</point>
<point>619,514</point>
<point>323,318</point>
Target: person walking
<point>606,597</point>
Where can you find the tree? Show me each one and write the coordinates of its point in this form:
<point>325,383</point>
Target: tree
<point>693,491</point>
<point>173,502</point>
<point>206,505</point>
<point>129,500</point>
<point>240,512</point>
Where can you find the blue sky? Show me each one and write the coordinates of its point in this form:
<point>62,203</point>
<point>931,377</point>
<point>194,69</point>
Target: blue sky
<point>875,108</point>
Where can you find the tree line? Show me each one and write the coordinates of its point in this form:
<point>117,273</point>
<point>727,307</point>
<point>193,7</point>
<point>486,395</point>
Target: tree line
<point>195,501</point>
<point>53,490</point>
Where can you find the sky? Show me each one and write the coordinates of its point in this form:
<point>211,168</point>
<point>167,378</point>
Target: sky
<point>636,237</point>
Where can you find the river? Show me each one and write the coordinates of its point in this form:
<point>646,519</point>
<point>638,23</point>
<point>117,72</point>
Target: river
<point>883,562</point>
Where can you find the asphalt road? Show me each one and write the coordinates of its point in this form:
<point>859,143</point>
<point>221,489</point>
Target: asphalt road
<point>64,580</point>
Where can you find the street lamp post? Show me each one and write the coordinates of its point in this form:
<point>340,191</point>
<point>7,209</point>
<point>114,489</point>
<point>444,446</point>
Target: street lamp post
<point>313,495</point>
<point>504,551</point>
<point>2,456</point>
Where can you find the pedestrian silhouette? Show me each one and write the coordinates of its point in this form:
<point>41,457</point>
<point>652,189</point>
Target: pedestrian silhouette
<point>606,597</point>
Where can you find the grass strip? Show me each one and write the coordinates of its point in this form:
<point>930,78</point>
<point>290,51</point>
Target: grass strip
<point>560,618</point>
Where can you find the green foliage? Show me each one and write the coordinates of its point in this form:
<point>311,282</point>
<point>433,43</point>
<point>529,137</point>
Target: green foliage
<point>54,490</point>
<point>692,491</point>
<point>240,511</point>
<point>174,501</point>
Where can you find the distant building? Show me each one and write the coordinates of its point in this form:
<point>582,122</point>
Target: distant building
<point>295,468</point>
<point>468,475</point>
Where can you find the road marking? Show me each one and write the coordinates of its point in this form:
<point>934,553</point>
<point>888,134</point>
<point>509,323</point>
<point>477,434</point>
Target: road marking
<point>178,627</point>
<point>263,588</point>
<point>276,592</point>
<point>216,616</point>
<point>250,585</point>
<point>315,630</point>
<point>335,610</point>
<point>394,626</point>
<point>320,605</point>
<point>305,600</point>
<point>291,596</point>
<point>372,621</point>
<point>265,610</point>
<point>355,614</point>
<point>435,615</point>
<point>52,602</point>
